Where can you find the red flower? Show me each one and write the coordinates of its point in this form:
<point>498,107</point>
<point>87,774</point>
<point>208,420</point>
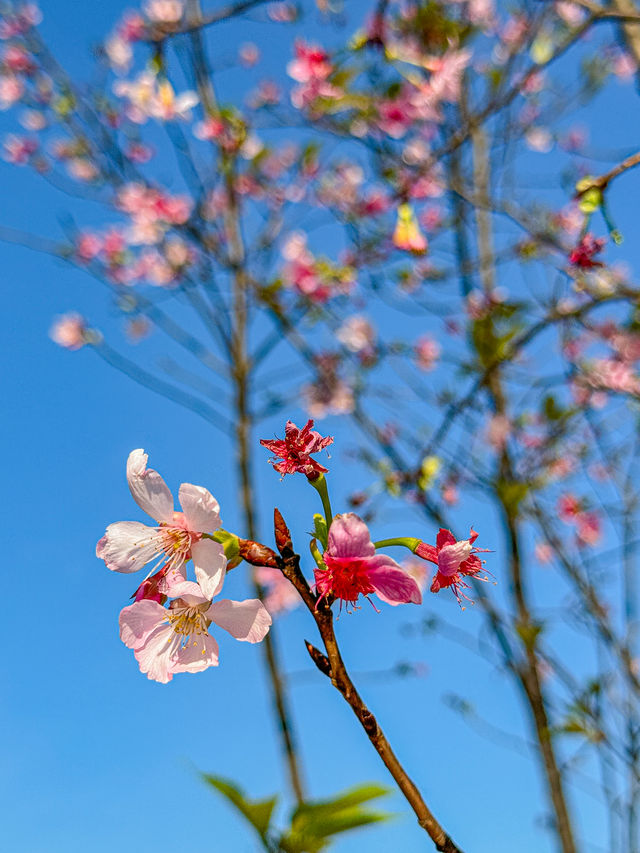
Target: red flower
<point>455,560</point>
<point>296,449</point>
<point>582,255</point>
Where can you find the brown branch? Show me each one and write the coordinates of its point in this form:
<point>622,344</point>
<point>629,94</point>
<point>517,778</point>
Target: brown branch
<point>332,665</point>
<point>603,181</point>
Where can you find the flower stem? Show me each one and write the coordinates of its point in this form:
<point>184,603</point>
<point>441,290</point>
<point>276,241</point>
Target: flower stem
<point>320,485</point>
<point>404,541</point>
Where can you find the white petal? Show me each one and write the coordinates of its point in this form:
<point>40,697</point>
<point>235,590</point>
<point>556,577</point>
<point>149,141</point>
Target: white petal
<point>128,546</point>
<point>210,566</point>
<point>248,620</point>
<point>201,509</point>
<point>148,488</point>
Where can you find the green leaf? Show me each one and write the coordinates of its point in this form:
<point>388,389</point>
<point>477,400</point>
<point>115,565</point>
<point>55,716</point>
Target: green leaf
<point>257,812</point>
<point>312,824</point>
<point>320,529</point>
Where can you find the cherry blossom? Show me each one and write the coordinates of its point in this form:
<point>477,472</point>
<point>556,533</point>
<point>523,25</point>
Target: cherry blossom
<point>296,448</point>
<point>168,640</point>
<point>582,255</point>
<point>129,546</point>
<point>69,331</point>
<point>456,559</point>
<point>281,594</point>
<point>353,567</point>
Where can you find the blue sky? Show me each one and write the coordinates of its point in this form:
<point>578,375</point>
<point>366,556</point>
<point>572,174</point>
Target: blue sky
<point>97,758</point>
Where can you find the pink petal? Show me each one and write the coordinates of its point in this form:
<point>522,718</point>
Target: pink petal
<point>247,620</point>
<point>210,566</point>
<point>139,620</point>
<point>188,591</point>
<point>154,658</point>
<point>392,584</point>
<point>148,488</point>
<point>349,537</point>
<point>128,546</point>
<point>201,509</point>
<point>196,655</point>
<point>451,556</point>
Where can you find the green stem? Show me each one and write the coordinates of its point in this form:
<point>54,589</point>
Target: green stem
<point>404,541</point>
<point>320,485</point>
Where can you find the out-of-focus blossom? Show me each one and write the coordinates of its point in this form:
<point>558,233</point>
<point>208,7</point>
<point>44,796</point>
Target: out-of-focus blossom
<point>539,139</point>
<point>498,431</point>
<point>427,351</point>
<point>281,593</point>
<point>249,54</point>
<point>318,279</point>
<point>353,567</point>
<point>583,254</point>
<point>310,68</point>
<point>329,394</point>
<point>19,149</point>
<point>357,334</point>
<point>69,331</point>
<point>153,97</point>
<point>588,528</point>
<point>163,11</point>
<point>407,234</point>
<point>11,90</point>
<point>543,552</point>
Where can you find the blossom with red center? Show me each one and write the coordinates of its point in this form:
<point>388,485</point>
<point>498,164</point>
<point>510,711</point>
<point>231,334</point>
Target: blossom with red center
<point>456,559</point>
<point>582,255</point>
<point>128,546</point>
<point>353,568</point>
<point>296,449</point>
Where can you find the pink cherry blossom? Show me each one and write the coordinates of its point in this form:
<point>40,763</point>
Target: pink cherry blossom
<point>357,334</point>
<point>69,331</point>
<point>281,594</point>
<point>19,149</point>
<point>295,450</point>
<point>168,640</point>
<point>427,352</point>
<point>582,255</point>
<point>353,567</point>
<point>456,559</point>
<point>163,11</point>
<point>128,546</point>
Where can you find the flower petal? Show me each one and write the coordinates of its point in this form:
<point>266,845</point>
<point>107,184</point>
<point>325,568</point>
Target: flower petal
<point>445,537</point>
<point>247,620</point>
<point>210,566</point>
<point>196,655</point>
<point>129,545</point>
<point>148,488</point>
<point>392,584</point>
<point>201,509</point>
<point>139,620</point>
<point>349,537</point>
<point>154,657</point>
